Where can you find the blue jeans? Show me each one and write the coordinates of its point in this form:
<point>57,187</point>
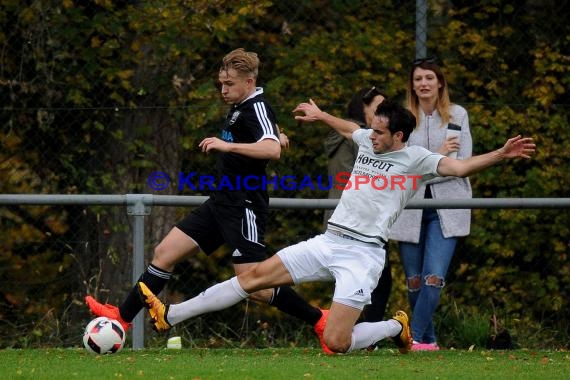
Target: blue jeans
<point>426,265</point>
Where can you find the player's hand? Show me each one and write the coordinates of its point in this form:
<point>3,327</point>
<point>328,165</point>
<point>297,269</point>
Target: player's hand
<point>310,111</point>
<point>213,143</point>
<point>518,146</point>
<point>283,140</point>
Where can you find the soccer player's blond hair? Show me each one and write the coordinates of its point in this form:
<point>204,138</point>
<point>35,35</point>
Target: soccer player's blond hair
<point>244,62</point>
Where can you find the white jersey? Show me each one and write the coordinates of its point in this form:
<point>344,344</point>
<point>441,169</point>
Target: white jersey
<point>379,188</point>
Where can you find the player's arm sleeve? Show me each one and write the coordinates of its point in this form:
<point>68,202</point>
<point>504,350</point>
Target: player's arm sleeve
<point>361,136</point>
<point>265,118</point>
<point>427,163</point>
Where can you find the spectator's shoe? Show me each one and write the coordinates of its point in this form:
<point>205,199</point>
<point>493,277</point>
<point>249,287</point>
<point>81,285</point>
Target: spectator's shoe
<point>156,308</point>
<point>320,329</point>
<point>424,346</point>
<point>404,339</point>
<point>106,310</point>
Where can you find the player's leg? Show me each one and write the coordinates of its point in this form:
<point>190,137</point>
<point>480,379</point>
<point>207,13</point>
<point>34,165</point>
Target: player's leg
<point>343,336</point>
<point>307,261</point>
<point>270,273</point>
<point>244,230</point>
<point>356,267</point>
<point>366,334</point>
<point>176,246</point>
<point>339,327</point>
<point>283,298</point>
<point>265,275</point>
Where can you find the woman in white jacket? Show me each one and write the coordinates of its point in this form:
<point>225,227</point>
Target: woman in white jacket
<point>427,238</point>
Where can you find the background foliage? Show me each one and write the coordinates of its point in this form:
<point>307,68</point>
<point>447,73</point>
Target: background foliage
<point>96,95</point>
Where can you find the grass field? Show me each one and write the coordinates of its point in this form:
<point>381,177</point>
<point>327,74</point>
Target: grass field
<point>282,363</point>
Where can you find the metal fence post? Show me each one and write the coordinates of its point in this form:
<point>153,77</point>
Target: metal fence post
<point>421,28</point>
<point>138,205</point>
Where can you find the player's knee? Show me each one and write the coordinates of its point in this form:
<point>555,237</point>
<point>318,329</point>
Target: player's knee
<point>160,251</point>
<point>162,257</point>
<point>337,342</point>
<point>167,255</point>
<point>338,346</point>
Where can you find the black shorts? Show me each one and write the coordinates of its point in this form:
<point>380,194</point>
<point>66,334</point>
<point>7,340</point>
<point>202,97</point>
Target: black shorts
<point>211,225</point>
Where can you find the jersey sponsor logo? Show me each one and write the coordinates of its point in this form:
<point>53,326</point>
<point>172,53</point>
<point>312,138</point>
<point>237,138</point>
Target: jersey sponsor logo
<point>237,253</point>
<point>227,136</point>
<point>374,163</point>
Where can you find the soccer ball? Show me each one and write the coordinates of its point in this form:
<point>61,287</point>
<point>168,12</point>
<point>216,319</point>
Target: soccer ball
<point>103,336</point>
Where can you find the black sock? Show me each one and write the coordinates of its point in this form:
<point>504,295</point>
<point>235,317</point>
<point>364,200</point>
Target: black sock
<point>156,279</point>
<point>286,300</point>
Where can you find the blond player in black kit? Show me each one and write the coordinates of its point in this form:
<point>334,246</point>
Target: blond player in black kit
<point>249,139</point>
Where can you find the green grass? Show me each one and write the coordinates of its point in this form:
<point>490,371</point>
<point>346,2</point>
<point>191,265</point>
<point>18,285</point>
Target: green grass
<point>281,363</point>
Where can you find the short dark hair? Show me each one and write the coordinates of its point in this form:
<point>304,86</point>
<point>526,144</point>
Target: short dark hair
<point>399,118</point>
<point>362,97</point>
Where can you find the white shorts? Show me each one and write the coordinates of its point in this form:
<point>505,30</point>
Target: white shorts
<point>354,266</point>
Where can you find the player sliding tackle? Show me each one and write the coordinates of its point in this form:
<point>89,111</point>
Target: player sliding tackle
<point>351,251</point>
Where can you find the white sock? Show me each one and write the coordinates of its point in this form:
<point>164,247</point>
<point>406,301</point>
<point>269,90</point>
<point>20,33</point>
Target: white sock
<point>217,297</point>
<point>367,333</point>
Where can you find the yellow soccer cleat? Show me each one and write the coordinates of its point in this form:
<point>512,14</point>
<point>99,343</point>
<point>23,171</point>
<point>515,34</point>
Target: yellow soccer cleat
<point>404,339</point>
<point>156,308</point>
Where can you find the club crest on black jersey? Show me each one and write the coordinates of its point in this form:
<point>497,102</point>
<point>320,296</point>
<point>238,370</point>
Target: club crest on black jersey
<point>234,117</point>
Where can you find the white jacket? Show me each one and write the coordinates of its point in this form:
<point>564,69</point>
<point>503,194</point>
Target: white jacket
<point>430,135</point>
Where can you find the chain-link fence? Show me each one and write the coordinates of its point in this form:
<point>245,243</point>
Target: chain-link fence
<point>98,95</point>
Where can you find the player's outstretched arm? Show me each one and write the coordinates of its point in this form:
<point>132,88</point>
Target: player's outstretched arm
<point>311,112</point>
<point>516,147</point>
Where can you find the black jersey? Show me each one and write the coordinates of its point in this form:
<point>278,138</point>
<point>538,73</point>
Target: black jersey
<point>248,122</point>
